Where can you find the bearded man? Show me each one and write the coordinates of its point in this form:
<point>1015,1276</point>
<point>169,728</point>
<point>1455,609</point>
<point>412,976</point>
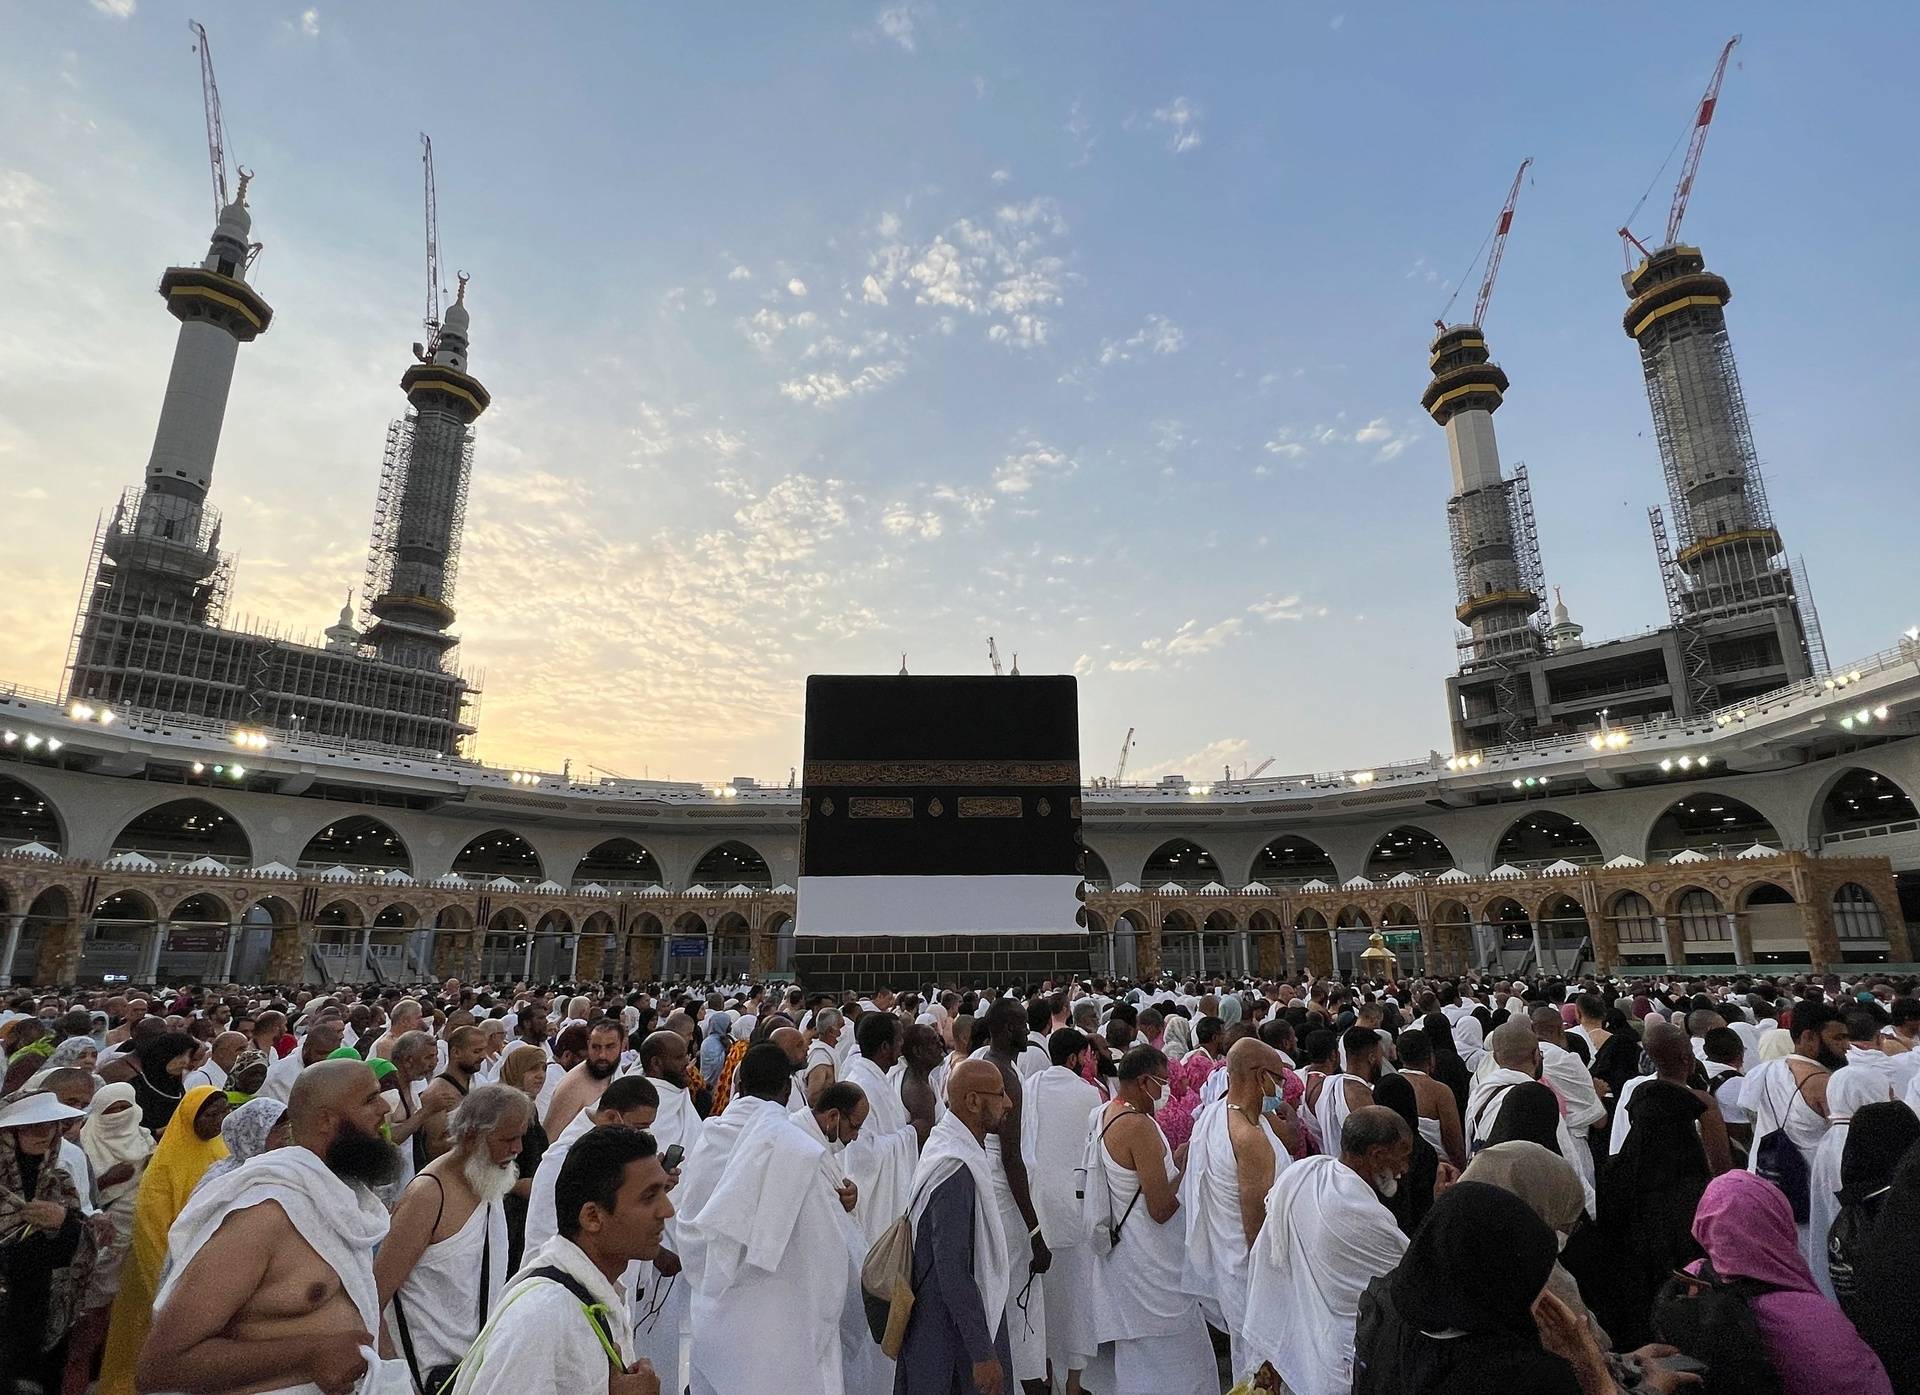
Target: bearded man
<point>586,1080</point>
<point>444,1262</point>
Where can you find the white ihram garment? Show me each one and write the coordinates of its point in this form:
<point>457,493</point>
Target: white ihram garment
<point>1849,1090</point>
<point>1777,1100</point>
<point>441,1293</point>
<point>880,1161</point>
<point>1141,1304</point>
<point>1217,1251</point>
<point>1483,1111</point>
<point>951,1147</point>
<point>775,1269</point>
<point>661,1304</point>
<point>864,1368</point>
<point>1056,1107</point>
<point>1326,1237</point>
<point>538,1341</point>
<point>1330,1111</point>
<point>342,1223</point>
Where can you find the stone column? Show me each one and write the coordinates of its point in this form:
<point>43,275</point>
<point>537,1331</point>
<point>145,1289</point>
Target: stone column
<point>1146,952</point>
<point>11,948</point>
<point>1737,938</point>
<point>1270,955</point>
<point>226,952</point>
<point>287,957</point>
<point>365,971</point>
<point>1670,944</point>
<point>761,954</point>
<point>526,968</point>
<point>149,971</point>
<point>708,962</point>
<point>62,945</point>
<point>1823,939</point>
<point>589,956</point>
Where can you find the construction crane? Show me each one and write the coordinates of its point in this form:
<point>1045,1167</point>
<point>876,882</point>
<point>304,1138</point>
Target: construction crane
<point>1696,144</point>
<point>1261,768</point>
<point>216,124</point>
<point>993,656</point>
<point>1126,745</point>
<point>1498,249</point>
<point>425,352</point>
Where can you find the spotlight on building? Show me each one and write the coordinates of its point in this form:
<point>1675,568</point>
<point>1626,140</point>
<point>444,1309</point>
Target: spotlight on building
<point>80,712</point>
<point>236,772</point>
<point>199,769</point>
<point>1361,777</point>
<point>54,743</point>
<point>10,737</point>
<point>33,742</point>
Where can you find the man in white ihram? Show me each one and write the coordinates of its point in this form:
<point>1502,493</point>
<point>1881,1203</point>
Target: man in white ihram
<point>661,1303</point>
<point>1517,1060</point>
<point>1327,1236</point>
<point>1059,1107</point>
<point>1160,1344</point>
<point>881,1160</point>
<point>775,1269</point>
<point>1232,1160</point>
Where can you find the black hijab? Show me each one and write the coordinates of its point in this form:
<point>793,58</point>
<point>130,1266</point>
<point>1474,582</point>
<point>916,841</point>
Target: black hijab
<point>1448,1068</point>
<point>1455,1317</point>
<point>1414,1198</point>
<point>1529,1112</point>
<point>1883,1275</point>
<point>1877,1139</point>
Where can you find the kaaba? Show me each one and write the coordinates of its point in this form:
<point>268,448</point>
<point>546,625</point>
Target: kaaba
<point>939,833</point>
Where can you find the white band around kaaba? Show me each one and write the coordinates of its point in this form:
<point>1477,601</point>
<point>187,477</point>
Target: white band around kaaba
<point>956,905</point>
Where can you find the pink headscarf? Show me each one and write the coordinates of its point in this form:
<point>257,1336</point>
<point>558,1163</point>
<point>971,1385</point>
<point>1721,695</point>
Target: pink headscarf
<point>1745,1225</point>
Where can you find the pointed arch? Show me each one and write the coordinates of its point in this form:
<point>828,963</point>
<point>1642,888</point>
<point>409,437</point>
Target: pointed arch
<point>1857,801</point>
<point>1709,821</point>
<point>181,830</point>
<point>732,863</point>
<point>618,862</point>
<point>1408,848</point>
<point>1290,860</point>
<point>1182,861</point>
<point>359,841</point>
<point>499,852</point>
<point>1542,836</point>
<point>28,816</point>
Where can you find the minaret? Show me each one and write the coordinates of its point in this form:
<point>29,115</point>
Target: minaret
<point>1730,556</point>
<point>170,544</point>
<point>1496,556</point>
<point>423,501</point>
<point>1564,634</point>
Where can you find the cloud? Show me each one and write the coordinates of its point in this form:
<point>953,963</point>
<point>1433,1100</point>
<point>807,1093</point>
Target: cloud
<point>1182,121</point>
<point>310,23</point>
<point>1002,270</point>
<point>740,273</point>
<point>900,521</point>
<point>1189,641</point>
<point>1001,176</point>
<point>1201,765</point>
<point>117,9</point>
<point>796,287</point>
<point>1292,443</point>
<point>1158,336</point>
<point>900,24</point>
<point>1379,432</point>
<point>1034,463</point>
<point>829,388</point>
<point>1278,608</point>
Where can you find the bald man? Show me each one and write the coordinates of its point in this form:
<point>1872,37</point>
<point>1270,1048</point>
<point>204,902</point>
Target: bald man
<point>1239,1145</point>
<point>271,1281</point>
<point>793,1042</point>
<point>226,1050</point>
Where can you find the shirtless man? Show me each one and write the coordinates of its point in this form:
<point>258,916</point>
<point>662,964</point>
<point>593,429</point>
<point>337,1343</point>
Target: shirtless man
<point>407,1015</point>
<point>582,1084</point>
<point>1435,1100</point>
<point>924,1053</point>
<point>466,1048</point>
<point>256,1308</point>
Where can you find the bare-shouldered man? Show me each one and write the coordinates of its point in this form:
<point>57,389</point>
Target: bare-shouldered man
<point>1006,1040</point>
<point>1434,1100</point>
<point>924,1053</point>
<point>264,1299</point>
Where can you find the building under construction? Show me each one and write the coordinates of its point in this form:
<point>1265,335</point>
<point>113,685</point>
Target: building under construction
<point>1739,619</point>
<point>149,634</point>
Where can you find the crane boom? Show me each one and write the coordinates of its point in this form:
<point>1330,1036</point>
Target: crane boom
<point>1499,248</point>
<point>993,655</point>
<point>1261,768</point>
<point>433,242</point>
<point>216,125</point>
<point>1126,745</point>
<point>1698,143</point>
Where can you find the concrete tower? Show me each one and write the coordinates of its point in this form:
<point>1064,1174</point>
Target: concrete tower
<point>165,542</point>
<point>415,556</point>
<point>1729,576</point>
<point>1496,553</point>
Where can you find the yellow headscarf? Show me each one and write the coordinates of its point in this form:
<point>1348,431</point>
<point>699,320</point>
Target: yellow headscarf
<point>178,1160</point>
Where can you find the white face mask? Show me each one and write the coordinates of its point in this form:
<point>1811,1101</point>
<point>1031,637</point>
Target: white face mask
<point>1386,1184</point>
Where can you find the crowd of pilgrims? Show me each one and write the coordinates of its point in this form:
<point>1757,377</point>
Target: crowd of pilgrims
<point>1431,1187</point>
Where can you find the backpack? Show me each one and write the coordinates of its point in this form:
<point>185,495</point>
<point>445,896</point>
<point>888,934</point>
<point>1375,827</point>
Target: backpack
<point>1778,1159</point>
<point>1104,1227</point>
<point>886,1285</point>
<point>1709,1319</point>
<point>1850,1231</point>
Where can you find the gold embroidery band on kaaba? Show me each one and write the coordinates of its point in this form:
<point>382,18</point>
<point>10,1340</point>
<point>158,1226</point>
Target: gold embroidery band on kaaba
<point>974,807</point>
<point>871,773</point>
<point>869,808</point>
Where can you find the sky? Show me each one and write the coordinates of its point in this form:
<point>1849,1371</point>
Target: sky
<point>818,334</point>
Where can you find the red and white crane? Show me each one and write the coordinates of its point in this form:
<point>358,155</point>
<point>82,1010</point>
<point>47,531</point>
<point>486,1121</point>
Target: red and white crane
<point>1696,144</point>
<point>1496,249</point>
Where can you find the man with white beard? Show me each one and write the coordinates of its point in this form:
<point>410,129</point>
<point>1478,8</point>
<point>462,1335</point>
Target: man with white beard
<point>824,1053</point>
<point>661,1304</point>
<point>1141,1305</point>
<point>444,1261</point>
<point>775,1270</point>
<point>1232,1160</point>
<point>882,1159</point>
<point>1059,1109</point>
<point>1327,1236</point>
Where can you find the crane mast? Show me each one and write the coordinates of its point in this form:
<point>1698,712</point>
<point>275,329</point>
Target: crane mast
<point>1126,745</point>
<point>216,125</point>
<point>433,244</point>
<point>1499,248</point>
<point>1689,167</point>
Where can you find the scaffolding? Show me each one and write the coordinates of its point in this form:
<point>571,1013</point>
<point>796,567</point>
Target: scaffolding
<point>1810,620</point>
<point>1496,553</point>
<point>420,510</point>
